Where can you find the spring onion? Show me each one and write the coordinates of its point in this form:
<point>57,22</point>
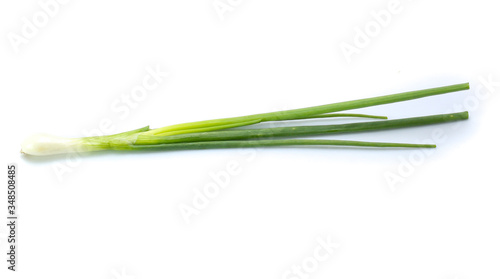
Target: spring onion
<point>224,133</point>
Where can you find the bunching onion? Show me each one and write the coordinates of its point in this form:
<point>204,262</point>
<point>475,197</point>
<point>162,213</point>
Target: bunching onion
<point>221,133</point>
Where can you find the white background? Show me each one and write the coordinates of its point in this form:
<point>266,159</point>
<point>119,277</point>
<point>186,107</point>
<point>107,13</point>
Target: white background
<point>116,215</point>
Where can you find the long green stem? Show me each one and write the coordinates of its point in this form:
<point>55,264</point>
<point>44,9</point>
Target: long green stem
<point>316,110</point>
<point>251,122</point>
<point>210,128</point>
<point>295,131</point>
<point>264,143</point>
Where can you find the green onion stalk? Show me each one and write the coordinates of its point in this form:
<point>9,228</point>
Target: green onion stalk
<point>220,133</point>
